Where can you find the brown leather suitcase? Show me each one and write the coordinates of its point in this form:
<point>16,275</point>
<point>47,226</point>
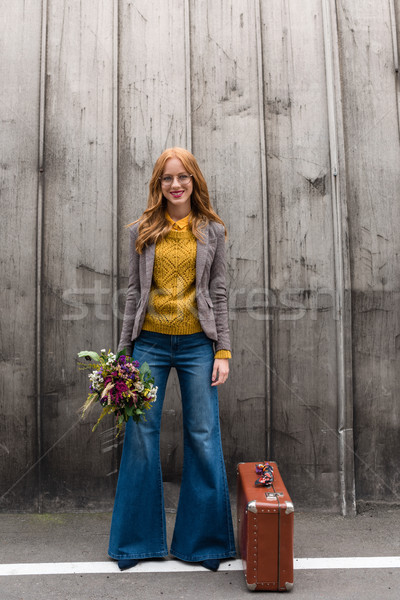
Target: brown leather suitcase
<point>265,530</point>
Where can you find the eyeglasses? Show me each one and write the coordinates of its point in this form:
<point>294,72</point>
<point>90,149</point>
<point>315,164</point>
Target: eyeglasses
<point>183,179</point>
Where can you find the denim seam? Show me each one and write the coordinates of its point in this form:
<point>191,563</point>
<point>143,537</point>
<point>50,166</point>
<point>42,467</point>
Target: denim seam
<point>184,468</point>
<point>226,491</point>
<point>161,505</point>
<point>229,524</point>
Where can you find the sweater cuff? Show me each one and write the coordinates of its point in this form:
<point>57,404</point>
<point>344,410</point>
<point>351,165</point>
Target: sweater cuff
<point>223,354</point>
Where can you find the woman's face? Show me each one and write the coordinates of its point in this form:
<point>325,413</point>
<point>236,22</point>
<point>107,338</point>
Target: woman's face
<point>176,186</point>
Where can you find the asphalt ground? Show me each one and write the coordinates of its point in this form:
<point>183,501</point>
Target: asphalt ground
<point>56,541</point>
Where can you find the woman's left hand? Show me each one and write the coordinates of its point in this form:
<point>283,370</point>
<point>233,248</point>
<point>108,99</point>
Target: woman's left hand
<point>220,371</point>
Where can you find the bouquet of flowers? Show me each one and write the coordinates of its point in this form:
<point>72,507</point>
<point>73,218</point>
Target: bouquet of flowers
<point>119,385</point>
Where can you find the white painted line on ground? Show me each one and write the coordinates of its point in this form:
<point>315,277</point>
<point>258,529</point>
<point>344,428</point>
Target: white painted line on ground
<point>349,562</point>
<point>175,566</point>
<point>145,566</point>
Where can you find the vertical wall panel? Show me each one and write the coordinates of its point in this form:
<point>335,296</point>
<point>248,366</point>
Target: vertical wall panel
<point>226,141</point>
<point>153,116</point>
<point>304,388</point>
<point>20,33</point>
<point>373,179</point>
<point>77,308</point>
<point>342,278</point>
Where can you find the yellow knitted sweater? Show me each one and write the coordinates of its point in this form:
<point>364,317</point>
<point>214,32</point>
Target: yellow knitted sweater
<point>172,305</point>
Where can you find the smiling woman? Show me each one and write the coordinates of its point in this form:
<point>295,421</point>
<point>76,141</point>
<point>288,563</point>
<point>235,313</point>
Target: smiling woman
<point>153,224</point>
<point>176,316</point>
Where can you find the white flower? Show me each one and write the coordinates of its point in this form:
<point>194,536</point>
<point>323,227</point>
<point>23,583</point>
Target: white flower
<point>96,379</point>
<point>152,392</point>
<point>103,350</point>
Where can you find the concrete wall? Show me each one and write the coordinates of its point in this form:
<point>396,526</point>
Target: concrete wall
<point>292,110</point>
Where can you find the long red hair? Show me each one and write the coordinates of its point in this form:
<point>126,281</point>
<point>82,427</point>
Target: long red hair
<point>152,224</point>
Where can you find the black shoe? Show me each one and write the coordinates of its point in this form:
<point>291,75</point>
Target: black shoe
<point>127,563</point>
<point>212,564</point>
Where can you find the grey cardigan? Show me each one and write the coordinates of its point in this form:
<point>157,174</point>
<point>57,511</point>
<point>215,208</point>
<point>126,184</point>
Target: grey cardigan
<point>210,287</point>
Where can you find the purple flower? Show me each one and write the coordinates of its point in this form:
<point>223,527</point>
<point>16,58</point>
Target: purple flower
<point>120,387</point>
<point>122,359</point>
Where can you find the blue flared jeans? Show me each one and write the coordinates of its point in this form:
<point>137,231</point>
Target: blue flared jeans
<point>203,526</point>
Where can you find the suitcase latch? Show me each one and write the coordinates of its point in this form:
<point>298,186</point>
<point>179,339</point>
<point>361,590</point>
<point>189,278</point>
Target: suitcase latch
<point>273,494</point>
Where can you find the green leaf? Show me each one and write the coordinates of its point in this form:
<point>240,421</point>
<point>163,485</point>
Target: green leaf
<point>145,373</point>
<point>129,411</point>
<point>89,355</point>
<point>124,352</point>
<point>138,411</point>
<point>145,369</point>
<point>120,419</point>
